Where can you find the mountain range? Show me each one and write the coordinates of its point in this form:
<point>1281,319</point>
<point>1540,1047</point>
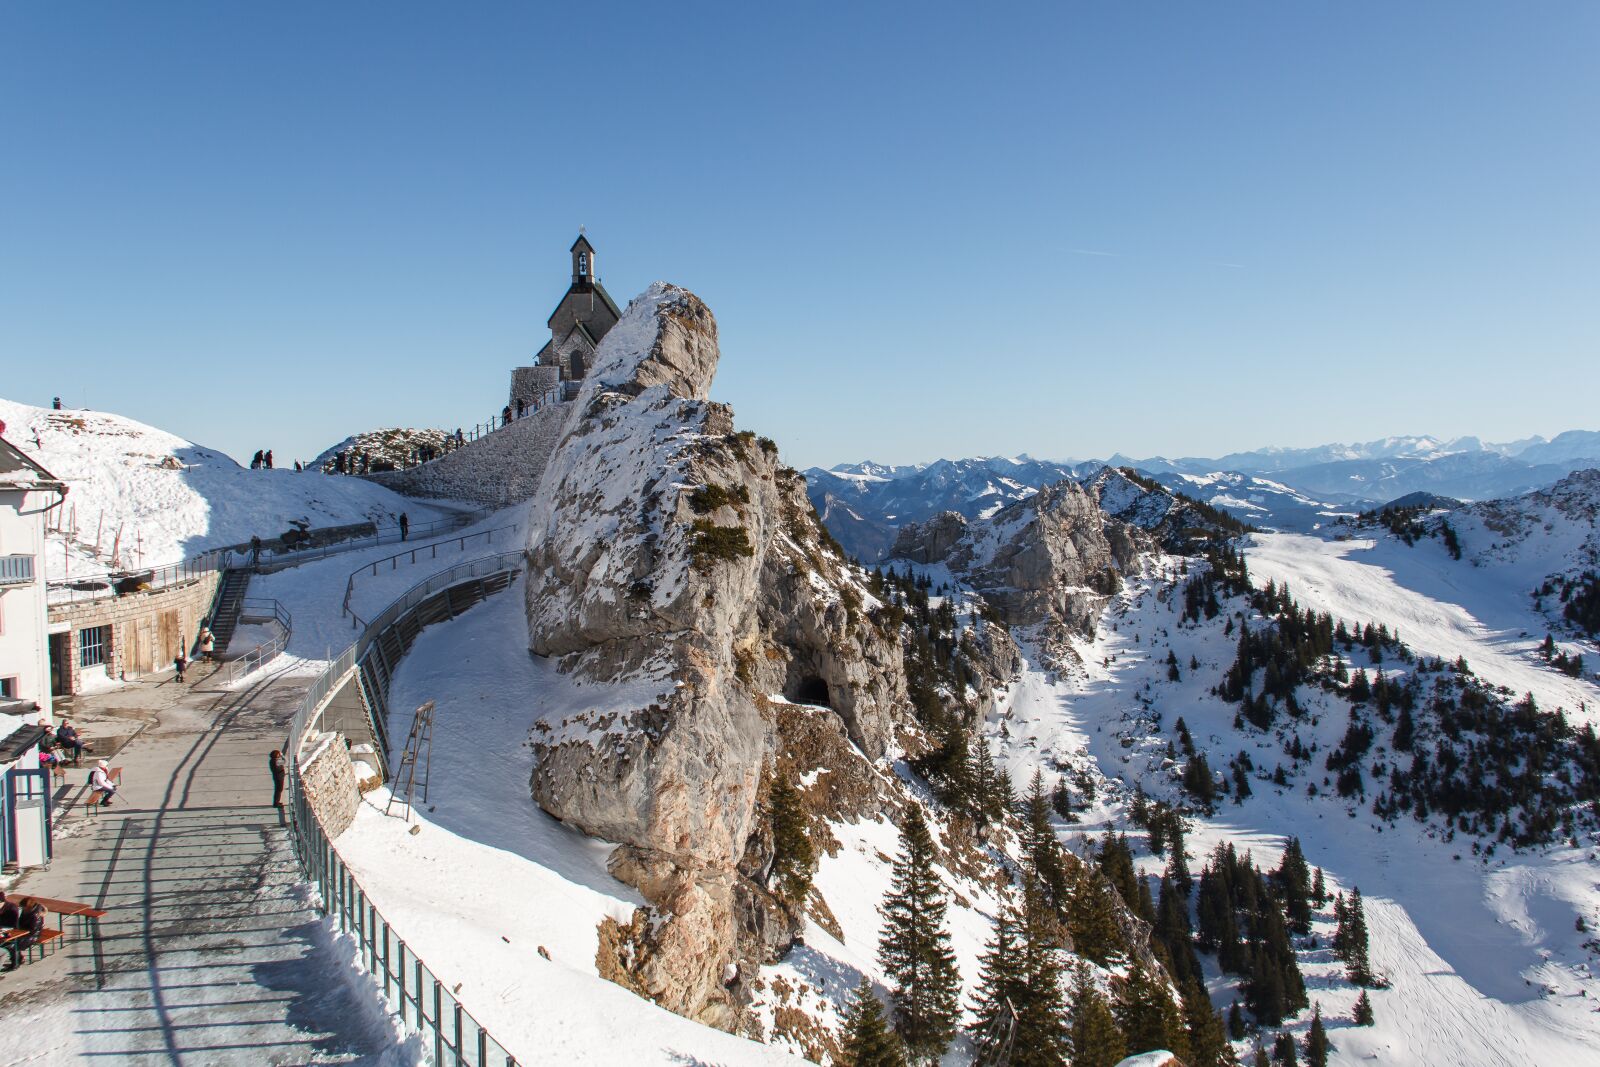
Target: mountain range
<point>1296,489</point>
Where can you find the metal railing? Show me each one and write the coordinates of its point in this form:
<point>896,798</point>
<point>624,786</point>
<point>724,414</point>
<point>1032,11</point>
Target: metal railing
<point>260,609</point>
<point>16,570</point>
<point>410,989</point>
<point>277,559</point>
<point>113,584</point>
<point>432,552</point>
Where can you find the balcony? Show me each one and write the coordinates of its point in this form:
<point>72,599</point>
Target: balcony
<point>16,570</point>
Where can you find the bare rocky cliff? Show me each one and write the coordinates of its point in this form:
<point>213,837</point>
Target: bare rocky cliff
<point>1047,562</point>
<point>676,566</point>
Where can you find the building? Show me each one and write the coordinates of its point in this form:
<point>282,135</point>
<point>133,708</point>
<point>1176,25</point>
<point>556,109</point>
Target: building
<point>585,315</point>
<point>27,492</point>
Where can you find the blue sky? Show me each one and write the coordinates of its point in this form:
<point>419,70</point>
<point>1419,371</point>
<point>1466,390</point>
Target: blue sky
<point>926,230</point>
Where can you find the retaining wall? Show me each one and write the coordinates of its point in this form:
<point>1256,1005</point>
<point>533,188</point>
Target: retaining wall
<point>147,629</point>
<point>503,468</point>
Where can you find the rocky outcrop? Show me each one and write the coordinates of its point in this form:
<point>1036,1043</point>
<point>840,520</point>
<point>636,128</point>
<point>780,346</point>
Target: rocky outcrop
<point>1048,561</point>
<point>677,570</point>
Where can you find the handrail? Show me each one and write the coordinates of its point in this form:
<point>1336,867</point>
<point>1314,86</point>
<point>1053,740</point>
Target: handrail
<point>110,583</point>
<point>409,986</point>
<point>394,563</point>
<point>261,607</point>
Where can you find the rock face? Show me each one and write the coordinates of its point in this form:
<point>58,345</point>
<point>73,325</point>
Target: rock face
<point>1049,560</point>
<point>677,569</point>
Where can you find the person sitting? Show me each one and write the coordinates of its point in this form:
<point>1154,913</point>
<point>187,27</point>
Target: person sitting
<point>100,781</point>
<point>31,923</point>
<point>69,738</point>
<point>10,914</point>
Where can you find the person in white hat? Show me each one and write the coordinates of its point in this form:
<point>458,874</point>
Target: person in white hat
<point>100,781</point>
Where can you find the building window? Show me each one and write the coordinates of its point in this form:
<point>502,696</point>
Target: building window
<point>583,264</point>
<point>8,689</point>
<point>94,643</point>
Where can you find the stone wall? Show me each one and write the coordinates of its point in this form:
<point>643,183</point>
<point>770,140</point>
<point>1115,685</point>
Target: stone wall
<point>531,384</point>
<point>328,779</point>
<point>503,468</point>
<point>147,629</point>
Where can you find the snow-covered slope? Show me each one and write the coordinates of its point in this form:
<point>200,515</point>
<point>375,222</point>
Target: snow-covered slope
<point>143,497</point>
<point>1484,958</point>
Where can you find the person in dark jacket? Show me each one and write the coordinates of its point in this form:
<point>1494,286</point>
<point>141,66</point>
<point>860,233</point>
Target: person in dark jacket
<point>180,663</point>
<point>279,768</point>
<point>255,461</point>
<point>405,526</point>
<point>31,923</point>
<point>68,737</point>
<point>10,914</point>
<point>266,458</point>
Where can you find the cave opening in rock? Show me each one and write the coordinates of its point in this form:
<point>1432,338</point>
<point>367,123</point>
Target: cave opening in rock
<point>809,690</point>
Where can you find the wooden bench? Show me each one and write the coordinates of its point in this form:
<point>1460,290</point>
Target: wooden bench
<point>97,798</point>
<point>45,937</point>
<point>84,913</point>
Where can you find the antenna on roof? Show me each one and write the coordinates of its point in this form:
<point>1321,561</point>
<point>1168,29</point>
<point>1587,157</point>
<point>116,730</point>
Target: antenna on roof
<point>581,229</point>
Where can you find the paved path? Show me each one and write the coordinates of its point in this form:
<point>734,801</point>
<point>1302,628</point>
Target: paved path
<point>211,953</point>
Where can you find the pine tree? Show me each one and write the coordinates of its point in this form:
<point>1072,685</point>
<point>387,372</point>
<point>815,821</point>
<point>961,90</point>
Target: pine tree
<point>792,853</point>
<point>1042,1036</point>
<point>1363,1014</point>
<point>1147,1015</point>
<point>1317,1041</point>
<point>1001,977</point>
<point>1283,1051</point>
<point>1208,1043</point>
<point>1236,1028</point>
<point>1041,850</point>
<point>1319,889</point>
<point>1091,917</point>
<point>914,949</point>
<point>1353,945</point>
<point>1259,1058</point>
<point>867,1040</point>
<point>1294,884</point>
<point>1096,1040</point>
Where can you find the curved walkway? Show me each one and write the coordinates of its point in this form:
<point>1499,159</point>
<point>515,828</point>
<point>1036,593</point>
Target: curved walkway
<point>211,953</point>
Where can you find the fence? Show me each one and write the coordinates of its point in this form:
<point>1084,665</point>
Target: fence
<point>277,559</point>
<point>260,609</point>
<point>71,591</point>
<point>394,563</point>
<point>410,989</point>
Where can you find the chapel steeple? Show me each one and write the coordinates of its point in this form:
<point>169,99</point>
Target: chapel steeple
<point>583,272</point>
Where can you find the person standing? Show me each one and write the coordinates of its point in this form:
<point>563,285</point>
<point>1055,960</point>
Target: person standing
<point>208,642</point>
<point>180,663</point>
<point>405,526</point>
<point>280,769</point>
<point>55,403</point>
<point>267,458</point>
<point>255,461</point>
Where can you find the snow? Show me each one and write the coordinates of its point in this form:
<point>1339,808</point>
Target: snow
<point>170,499</point>
<point>1484,964</point>
<point>1442,607</point>
<point>490,878</point>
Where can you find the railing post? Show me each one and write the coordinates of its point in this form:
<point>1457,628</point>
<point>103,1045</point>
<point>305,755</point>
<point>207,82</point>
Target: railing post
<point>438,1020</point>
<point>386,961</point>
<point>458,1032</point>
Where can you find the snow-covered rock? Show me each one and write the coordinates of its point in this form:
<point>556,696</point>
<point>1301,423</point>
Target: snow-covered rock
<point>677,569</point>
